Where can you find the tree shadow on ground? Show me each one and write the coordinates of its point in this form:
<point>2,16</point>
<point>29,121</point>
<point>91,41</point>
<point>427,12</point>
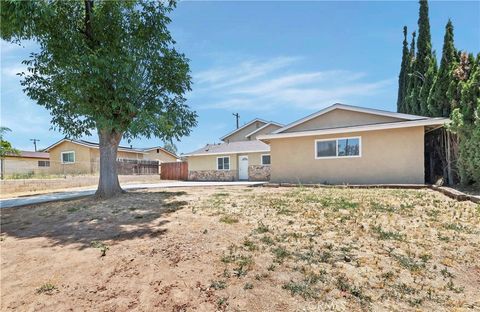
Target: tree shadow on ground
<point>128,216</point>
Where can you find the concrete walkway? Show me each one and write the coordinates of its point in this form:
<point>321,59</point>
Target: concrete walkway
<point>38,199</point>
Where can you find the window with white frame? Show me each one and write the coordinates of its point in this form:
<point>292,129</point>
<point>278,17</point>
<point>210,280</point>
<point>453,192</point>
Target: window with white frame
<point>266,159</point>
<point>44,163</point>
<point>338,148</point>
<point>68,157</point>
<point>223,163</point>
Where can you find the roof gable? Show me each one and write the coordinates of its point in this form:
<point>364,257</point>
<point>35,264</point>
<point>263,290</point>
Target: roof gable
<point>149,149</point>
<point>341,115</point>
<point>244,128</point>
<point>263,129</point>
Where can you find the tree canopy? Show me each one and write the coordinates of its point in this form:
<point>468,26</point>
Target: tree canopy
<point>104,66</point>
<point>451,91</point>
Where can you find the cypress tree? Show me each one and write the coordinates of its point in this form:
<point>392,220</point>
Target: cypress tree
<point>409,78</point>
<point>466,118</point>
<point>427,84</point>
<point>424,44</point>
<point>439,104</point>
<point>402,77</point>
<point>423,61</point>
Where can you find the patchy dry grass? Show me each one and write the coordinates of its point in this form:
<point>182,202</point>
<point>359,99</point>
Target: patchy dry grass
<point>244,249</point>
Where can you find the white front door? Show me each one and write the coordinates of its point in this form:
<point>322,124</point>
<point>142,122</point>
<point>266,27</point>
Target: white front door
<point>243,167</point>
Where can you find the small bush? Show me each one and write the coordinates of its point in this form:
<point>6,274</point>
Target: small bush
<point>228,219</point>
<point>46,288</point>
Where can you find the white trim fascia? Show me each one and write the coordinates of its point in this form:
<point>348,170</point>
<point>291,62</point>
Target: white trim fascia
<point>353,109</point>
<point>336,148</point>
<point>245,125</point>
<point>67,152</point>
<point>263,127</point>
<point>261,159</point>
<point>373,127</point>
<point>229,163</point>
<point>226,153</point>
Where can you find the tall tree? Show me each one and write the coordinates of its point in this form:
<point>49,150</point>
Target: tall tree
<point>104,66</point>
<point>402,77</point>
<point>466,118</point>
<point>439,103</point>
<point>423,62</point>
<point>427,84</point>
<point>410,78</point>
<point>424,44</point>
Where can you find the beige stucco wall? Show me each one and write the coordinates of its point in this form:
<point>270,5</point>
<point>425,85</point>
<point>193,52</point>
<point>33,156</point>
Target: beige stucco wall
<point>87,160</point>
<point>21,165</point>
<point>388,156</point>
<point>341,118</point>
<point>82,159</point>
<point>268,129</point>
<point>240,135</point>
<point>161,156</point>
<point>209,162</point>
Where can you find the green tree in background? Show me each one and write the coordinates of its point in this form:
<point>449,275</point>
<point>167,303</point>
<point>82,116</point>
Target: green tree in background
<point>170,146</point>
<point>451,91</point>
<point>104,66</point>
<point>6,148</point>
<point>466,117</point>
<point>439,103</point>
<point>423,62</point>
<point>402,77</point>
<point>427,83</point>
<point>409,79</point>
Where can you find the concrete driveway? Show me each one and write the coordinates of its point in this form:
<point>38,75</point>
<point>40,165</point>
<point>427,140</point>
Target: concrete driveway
<point>38,199</point>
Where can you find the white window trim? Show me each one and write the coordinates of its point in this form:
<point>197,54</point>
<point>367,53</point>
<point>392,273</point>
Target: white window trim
<point>67,163</point>
<point>336,148</point>
<point>261,159</point>
<point>229,163</point>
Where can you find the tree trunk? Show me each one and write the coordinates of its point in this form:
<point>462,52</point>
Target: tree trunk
<point>108,185</point>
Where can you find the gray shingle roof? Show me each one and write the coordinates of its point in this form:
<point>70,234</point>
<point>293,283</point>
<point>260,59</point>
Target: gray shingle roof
<point>231,148</point>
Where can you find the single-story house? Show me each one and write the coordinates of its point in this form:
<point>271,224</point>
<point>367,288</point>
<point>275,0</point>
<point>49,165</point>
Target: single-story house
<point>240,157</point>
<point>25,162</point>
<point>83,157</point>
<point>345,144</point>
<point>160,154</point>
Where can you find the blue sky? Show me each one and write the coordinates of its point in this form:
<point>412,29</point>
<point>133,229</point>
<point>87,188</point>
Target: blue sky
<point>273,60</point>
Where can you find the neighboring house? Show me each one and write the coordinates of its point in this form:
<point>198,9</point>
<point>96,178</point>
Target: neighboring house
<point>83,157</point>
<point>160,154</point>
<point>348,144</point>
<point>240,157</point>
<point>26,163</point>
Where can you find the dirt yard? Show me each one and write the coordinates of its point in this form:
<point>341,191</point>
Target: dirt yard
<point>244,249</point>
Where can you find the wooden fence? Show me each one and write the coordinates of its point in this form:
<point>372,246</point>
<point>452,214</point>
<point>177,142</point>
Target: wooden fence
<point>174,171</point>
<point>137,166</point>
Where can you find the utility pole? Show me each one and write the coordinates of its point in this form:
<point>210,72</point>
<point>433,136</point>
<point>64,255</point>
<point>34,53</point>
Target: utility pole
<point>35,143</point>
<point>237,116</point>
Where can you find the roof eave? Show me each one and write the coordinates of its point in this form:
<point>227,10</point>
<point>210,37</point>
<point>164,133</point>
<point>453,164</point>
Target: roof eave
<point>349,108</point>
<point>373,127</point>
<point>225,153</point>
<point>121,149</point>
